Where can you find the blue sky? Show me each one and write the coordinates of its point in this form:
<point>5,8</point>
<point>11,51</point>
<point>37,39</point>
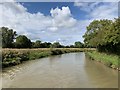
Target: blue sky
<point>45,7</point>
<point>64,22</point>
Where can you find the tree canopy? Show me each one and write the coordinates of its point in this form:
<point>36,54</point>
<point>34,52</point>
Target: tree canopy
<point>23,42</point>
<point>104,35</point>
<point>11,40</point>
<point>78,44</point>
<point>8,36</point>
<point>56,45</point>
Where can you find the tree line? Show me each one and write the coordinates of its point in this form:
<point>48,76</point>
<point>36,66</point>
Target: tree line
<point>10,39</point>
<point>104,35</point>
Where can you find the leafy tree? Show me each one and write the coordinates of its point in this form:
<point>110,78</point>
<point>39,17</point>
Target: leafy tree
<point>104,35</point>
<point>79,45</point>
<point>45,45</point>
<point>55,45</point>
<point>96,31</point>
<point>37,44</point>
<point>23,42</point>
<point>67,46</point>
<point>71,46</point>
<point>8,36</point>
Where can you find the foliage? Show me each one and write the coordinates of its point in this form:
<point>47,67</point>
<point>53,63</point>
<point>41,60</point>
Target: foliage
<point>104,35</point>
<point>55,45</point>
<point>23,42</point>
<point>79,45</point>
<point>9,40</point>
<point>8,36</point>
<point>109,60</point>
<point>36,44</point>
<point>12,57</point>
<point>45,45</point>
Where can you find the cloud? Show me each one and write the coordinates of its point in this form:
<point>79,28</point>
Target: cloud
<point>58,26</point>
<point>60,17</point>
<point>106,11</point>
<point>99,10</point>
<point>37,26</point>
<point>85,6</point>
<point>97,0</point>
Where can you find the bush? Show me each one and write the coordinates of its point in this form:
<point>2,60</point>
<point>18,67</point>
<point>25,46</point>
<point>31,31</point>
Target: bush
<point>56,52</point>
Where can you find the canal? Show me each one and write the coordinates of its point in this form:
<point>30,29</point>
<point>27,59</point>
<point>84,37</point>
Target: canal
<point>72,70</point>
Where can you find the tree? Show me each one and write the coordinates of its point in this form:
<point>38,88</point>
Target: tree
<point>46,45</point>
<point>23,42</point>
<point>8,36</point>
<point>37,44</point>
<point>78,45</point>
<point>104,35</point>
<point>72,46</point>
<point>55,45</point>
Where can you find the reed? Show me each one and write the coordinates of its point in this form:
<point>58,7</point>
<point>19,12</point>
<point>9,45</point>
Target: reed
<point>11,57</point>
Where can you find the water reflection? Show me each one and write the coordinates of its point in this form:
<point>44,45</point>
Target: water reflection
<point>101,75</point>
<point>71,70</point>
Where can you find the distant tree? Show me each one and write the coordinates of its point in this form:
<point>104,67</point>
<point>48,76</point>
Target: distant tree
<point>72,46</point>
<point>48,45</point>
<point>23,42</point>
<point>45,45</point>
<point>61,46</point>
<point>78,45</point>
<point>55,45</point>
<point>36,44</point>
<point>67,46</point>
<point>8,36</point>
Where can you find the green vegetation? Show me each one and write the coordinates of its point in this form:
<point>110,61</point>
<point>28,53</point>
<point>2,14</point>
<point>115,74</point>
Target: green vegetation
<point>11,57</point>
<point>79,45</point>
<point>101,34</point>
<point>109,60</point>
<point>11,40</point>
<point>8,36</point>
<point>104,35</point>
<point>23,42</point>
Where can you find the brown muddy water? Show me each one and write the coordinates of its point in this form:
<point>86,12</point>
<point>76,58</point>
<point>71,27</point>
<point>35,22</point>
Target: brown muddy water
<point>71,70</point>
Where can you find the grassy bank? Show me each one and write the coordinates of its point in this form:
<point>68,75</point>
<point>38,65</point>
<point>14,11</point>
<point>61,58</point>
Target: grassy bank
<point>11,57</point>
<point>109,60</point>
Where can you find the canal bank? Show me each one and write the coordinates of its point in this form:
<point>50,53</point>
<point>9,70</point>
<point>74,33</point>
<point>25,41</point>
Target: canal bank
<point>12,57</point>
<point>110,60</point>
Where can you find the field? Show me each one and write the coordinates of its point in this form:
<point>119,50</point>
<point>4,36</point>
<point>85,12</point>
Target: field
<point>11,57</point>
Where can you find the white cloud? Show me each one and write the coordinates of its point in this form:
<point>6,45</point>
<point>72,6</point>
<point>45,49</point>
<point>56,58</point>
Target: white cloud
<point>59,26</point>
<point>109,11</point>
<point>60,17</point>
<point>97,0</point>
<point>96,10</point>
<point>85,6</point>
<point>37,25</point>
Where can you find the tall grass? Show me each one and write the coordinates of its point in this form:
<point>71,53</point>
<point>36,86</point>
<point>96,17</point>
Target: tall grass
<point>109,60</point>
<point>11,57</point>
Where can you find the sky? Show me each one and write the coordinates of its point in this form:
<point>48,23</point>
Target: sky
<point>63,22</point>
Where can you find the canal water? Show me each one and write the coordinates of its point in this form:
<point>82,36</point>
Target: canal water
<point>72,70</point>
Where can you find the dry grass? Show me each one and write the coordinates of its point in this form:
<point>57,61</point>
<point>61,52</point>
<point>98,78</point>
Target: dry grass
<point>12,57</point>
